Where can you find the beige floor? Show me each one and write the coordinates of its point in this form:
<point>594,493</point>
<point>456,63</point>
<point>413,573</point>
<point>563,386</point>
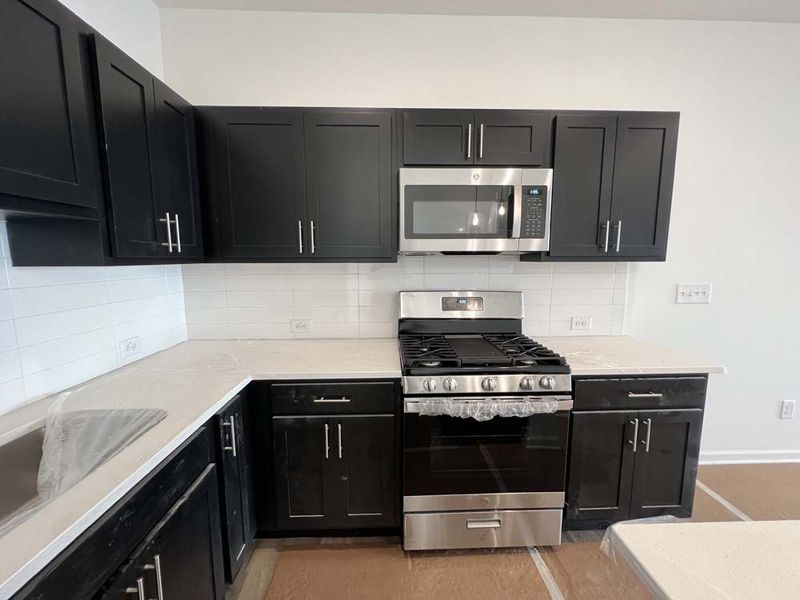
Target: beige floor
<point>376,568</point>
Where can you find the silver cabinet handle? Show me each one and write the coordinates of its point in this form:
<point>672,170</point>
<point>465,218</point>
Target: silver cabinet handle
<point>324,400</point>
<point>178,232</point>
<point>159,580</point>
<point>619,233</point>
<point>168,221</point>
<point>632,442</point>
<point>138,590</point>
<point>608,233</point>
<point>645,395</point>
<point>340,440</point>
<point>327,444</point>
<point>231,422</point>
<point>649,423</point>
<point>487,524</point>
<point>313,238</point>
<point>469,140</point>
<point>480,142</point>
<point>300,236</point>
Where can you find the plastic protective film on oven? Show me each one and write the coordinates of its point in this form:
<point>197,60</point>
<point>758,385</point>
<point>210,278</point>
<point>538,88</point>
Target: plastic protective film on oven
<point>485,409</point>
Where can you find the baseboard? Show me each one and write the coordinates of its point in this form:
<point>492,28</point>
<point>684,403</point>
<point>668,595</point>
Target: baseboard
<point>749,456</point>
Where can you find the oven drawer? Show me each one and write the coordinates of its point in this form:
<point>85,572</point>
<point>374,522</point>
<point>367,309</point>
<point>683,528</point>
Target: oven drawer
<point>621,393</point>
<point>332,398</point>
<point>486,529</point>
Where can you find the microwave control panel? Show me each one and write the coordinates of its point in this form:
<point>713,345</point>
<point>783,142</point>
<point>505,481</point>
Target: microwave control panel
<point>534,211</point>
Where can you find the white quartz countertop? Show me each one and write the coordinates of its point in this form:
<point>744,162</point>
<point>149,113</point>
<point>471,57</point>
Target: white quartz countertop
<point>713,561</point>
<point>624,355</point>
<point>194,380</point>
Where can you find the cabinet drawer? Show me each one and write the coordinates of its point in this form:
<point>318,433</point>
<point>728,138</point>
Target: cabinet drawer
<point>332,398</point>
<point>641,393</point>
<point>486,529</point>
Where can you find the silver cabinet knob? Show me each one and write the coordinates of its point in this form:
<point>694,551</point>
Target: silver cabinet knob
<point>429,385</point>
<point>527,383</point>
<point>548,382</point>
<point>450,384</point>
<point>489,384</point>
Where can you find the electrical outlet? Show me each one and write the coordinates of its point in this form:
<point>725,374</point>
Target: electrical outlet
<point>787,409</point>
<point>693,293</point>
<point>130,347</point>
<point>302,326</point>
<point>581,323</point>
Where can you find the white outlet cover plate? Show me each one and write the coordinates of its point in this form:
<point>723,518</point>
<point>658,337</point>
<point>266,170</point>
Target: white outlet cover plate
<point>302,325</point>
<point>787,409</point>
<point>693,293</point>
<point>580,323</point>
<point>130,347</point>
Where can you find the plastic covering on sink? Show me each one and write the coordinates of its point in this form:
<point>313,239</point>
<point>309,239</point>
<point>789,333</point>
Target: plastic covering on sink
<point>59,450</point>
<point>484,409</point>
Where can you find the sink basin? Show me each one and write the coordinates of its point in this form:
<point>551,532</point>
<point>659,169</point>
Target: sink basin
<point>84,440</point>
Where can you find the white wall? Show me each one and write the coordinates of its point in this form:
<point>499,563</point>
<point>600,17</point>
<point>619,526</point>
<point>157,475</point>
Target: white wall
<point>735,219</point>
<point>133,25</point>
<point>360,300</point>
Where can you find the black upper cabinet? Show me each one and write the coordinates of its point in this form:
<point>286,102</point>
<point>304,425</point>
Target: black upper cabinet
<point>149,158</point>
<point>236,491</point>
<point>176,177</point>
<point>612,187</point>
<point>46,150</point>
<point>256,181</point>
<point>583,172</point>
<point>643,172</point>
<point>349,179</point>
<point>438,137</point>
<point>485,137</point>
<point>293,184</point>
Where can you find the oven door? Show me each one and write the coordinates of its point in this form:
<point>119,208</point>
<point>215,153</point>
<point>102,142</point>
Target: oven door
<point>454,463</point>
<point>460,210</point>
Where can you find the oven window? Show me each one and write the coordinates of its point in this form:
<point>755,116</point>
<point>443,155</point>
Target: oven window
<point>448,455</point>
<point>459,211</point>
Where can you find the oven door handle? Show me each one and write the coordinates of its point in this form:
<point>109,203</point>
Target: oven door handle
<point>411,405</point>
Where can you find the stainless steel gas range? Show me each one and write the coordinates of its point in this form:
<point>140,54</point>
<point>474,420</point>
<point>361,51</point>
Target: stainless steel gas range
<point>486,424</point>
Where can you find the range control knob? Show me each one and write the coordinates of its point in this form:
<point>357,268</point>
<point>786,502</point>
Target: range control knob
<point>489,383</point>
<point>527,383</point>
<point>450,384</point>
<point>548,382</point>
<point>429,385</point>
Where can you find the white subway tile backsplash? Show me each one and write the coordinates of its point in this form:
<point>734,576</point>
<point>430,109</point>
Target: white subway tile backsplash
<point>361,299</point>
<point>62,325</point>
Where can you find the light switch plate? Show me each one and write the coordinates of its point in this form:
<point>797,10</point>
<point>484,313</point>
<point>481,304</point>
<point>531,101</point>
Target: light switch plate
<point>693,293</point>
<point>581,323</point>
<point>302,325</point>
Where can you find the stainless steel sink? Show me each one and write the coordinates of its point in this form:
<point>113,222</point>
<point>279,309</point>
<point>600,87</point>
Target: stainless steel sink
<point>90,436</point>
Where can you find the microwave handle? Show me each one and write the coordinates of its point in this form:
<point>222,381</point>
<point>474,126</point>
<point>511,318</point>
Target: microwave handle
<point>516,225</point>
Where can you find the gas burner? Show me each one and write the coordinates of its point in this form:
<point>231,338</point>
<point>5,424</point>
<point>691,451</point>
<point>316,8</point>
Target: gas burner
<point>430,363</point>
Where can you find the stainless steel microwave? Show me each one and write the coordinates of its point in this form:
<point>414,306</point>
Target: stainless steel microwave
<point>463,210</point>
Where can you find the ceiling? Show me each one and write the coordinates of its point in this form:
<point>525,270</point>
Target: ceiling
<point>787,11</point>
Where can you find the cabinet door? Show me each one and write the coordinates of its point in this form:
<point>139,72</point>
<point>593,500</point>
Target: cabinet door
<point>438,137</point>
<point>127,109</point>
<point>45,145</point>
<point>257,182</point>
<point>303,451</point>
<point>349,180</point>
<point>366,478</point>
<point>182,556</point>
<point>600,467</point>
<point>237,510</point>
<point>512,137</point>
<point>583,170</point>
<point>666,463</point>
<point>176,183</point>
<point>643,172</point>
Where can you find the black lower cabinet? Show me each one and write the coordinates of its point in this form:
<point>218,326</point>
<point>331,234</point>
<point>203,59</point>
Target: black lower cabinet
<point>233,458</point>
<point>632,464</point>
<point>335,472</point>
<point>182,555</point>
